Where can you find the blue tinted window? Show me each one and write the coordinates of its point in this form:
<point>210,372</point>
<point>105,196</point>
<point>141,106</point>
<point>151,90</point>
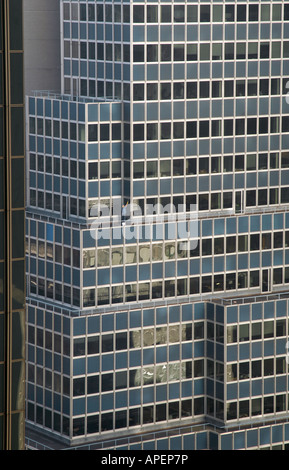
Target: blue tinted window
<point>265,435</point>
<point>79,326</point>
<point>226,442</point>
<point>49,232</point>
<point>239,440</point>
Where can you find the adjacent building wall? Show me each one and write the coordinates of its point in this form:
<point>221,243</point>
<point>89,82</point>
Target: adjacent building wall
<point>12,231</point>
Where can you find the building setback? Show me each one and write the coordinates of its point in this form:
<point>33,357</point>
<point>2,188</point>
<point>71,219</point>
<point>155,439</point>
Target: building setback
<point>161,332</point>
<point>12,228</point>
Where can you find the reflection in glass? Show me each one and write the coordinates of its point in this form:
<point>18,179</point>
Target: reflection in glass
<point>144,253</point>
<point>89,258</point>
<point>130,255</point>
<point>170,251</point>
<point>148,375</point>
<point>174,334</point>
<point>116,256</point>
<point>161,335</point>
<point>174,372</point>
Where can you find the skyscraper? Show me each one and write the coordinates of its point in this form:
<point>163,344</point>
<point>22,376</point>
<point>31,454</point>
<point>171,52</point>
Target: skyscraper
<point>12,231</point>
<point>152,330</point>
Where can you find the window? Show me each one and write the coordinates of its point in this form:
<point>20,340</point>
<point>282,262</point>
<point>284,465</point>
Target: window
<point>232,372</point>
<point>228,163</point>
<point>205,13</point>
<point>285,124</point>
<point>93,345</point>
<point>204,129</point>
<point>191,90</point>
<point>204,90</point>
<point>165,91</point>
<point>275,86</point>
<point>281,327</point>
<point>229,51</point>
<point>256,331</point>
<point>275,124</point>
<point>92,132</point>
<point>230,244</point>
<point>207,247</point>
<point>251,162</point>
<point>264,50</point>
<point>243,370</point>
<point>244,409</point>
<point>231,411</point>
<point>178,130</point>
<point>256,406</point>
<point>252,50</point>
<point>228,127</point>
<point>244,332</point>
<point>179,13</point>
<point>192,52</point>
<point>152,131</point>
<point>138,14</point>
<point>106,382</point>
<point>241,51</point>
<point>89,258</point>
<point>178,90</point>
<point>152,91</point>
<point>192,14</point>
<point>264,86</point>
<point>79,347</point>
<point>179,52</point>
<point>152,53</point>
<point>166,55</point>
<point>152,13</point>
<point>138,53</point>
<point>166,14</point>
<point>277,276</point>
<point>138,92</point>
<point>138,132</point>
<point>216,163</point>
<point>206,284</point>
<point>229,88</point>
<point>217,13</point>
<point>256,369</point>
<point>107,343</point>
<point>251,198</point>
<point>219,282</point>
<point>242,280</point>
<point>278,239</point>
<point>165,130</point>
<point>121,341</point>
<point>92,384</point>
<point>253,12</point>
<point>280,365</point>
<point>78,387</point>
<point>254,278</point>
<point>93,171</point>
<point>205,51</point>
<point>268,405</point>
<point>255,242</point>
<point>268,366</point>
<point>229,13</point>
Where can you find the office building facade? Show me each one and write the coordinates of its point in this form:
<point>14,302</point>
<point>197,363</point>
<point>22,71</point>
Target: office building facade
<point>12,229</point>
<point>173,328</point>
